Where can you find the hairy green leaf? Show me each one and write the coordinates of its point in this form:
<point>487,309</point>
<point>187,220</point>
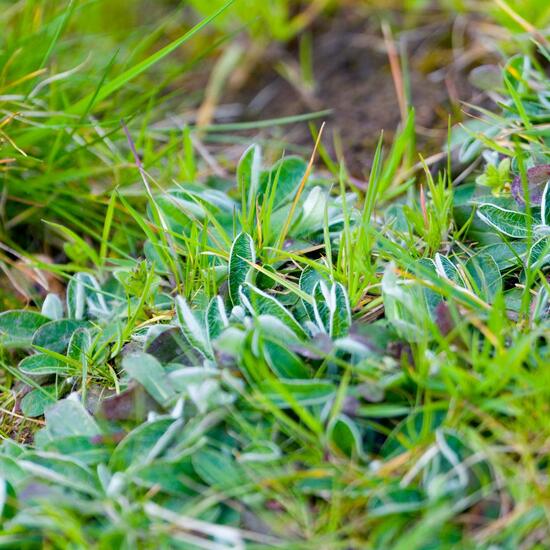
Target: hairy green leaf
<point>193,329</point>
<point>216,318</point>
<point>513,224</point>
<point>18,327</point>
<point>35,402</point>
<point>146,370</point>
<point>259,303</point>
<point>305,392</point>
<point>283,179</point>
<point>45,364</point>
<point>52,307</point>
<point>340,313</point>
<point>56,335</point>
<point>242,252</point>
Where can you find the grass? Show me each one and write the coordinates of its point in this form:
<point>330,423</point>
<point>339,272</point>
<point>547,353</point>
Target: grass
<point>259,352</point>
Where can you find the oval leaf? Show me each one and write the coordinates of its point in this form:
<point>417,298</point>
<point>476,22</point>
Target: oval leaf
<point>283,362</point>
<point>308,279</point>
<point>52,307</point>
<point>242,252</point>
<point>259,303</point>
<point>545,205</point>
<point>193,329</point>
<point>513,224</point>
<point>305,392</point>
<point>35,402</point>
<point>283,180</point>
<point>340,315</point>
<point>486,275</point>
<point>146,370</point>
<point>68,417</point>
<point>344,434</point>
<point>18,327</point>
<point>45,364</point>
<point>448,270</point>
<point>539,255</point>
<point>138,443</point>
<point>248,174</point>
<point>321,307</point>
<point>79,344</point>
<point>216,318</point>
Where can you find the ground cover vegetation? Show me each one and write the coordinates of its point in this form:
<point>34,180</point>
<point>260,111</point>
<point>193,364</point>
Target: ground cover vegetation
<point>214,338</point>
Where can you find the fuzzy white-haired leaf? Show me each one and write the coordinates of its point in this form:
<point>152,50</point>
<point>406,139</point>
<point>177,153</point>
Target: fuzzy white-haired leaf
<point>79,344</point>
<point>52,307</point>
<point>308,279</point>
<point>41,364</point>
<point>248,173</point>
<point>56,335</point>
<point>259,303</point>
<point>448,270</point>
<point>84,296</point>
<point>94,295</point>
<point>509,222</point>
<point>545,205</point>
<point>282,361</point>
<point>313,212</point>
<point>18,327</point>
<point>344,434</point>
<point>404,304</point>
<point>192,328</point>
<point>283,180</point>
<point>273,326</point>
<point>340,314</point>
<point>260,451</point>
<point>321,306</point>
<point>284,393</point>
<point>216,318</point>
<point>242,254</point>
<point>541,307</point>
<point>76,299</point>
<point>146,370</point>
<point>69,417</point>
<point>539,254</point>
<point>485,274</point>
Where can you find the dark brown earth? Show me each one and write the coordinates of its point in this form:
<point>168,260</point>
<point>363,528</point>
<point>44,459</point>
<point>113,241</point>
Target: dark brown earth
<point>353,78</point>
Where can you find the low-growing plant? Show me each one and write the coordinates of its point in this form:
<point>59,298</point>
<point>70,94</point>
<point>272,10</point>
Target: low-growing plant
<point>276,361</point>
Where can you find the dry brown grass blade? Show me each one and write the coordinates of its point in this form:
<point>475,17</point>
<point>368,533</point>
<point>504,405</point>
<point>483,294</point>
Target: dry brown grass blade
<point>396,72</point>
